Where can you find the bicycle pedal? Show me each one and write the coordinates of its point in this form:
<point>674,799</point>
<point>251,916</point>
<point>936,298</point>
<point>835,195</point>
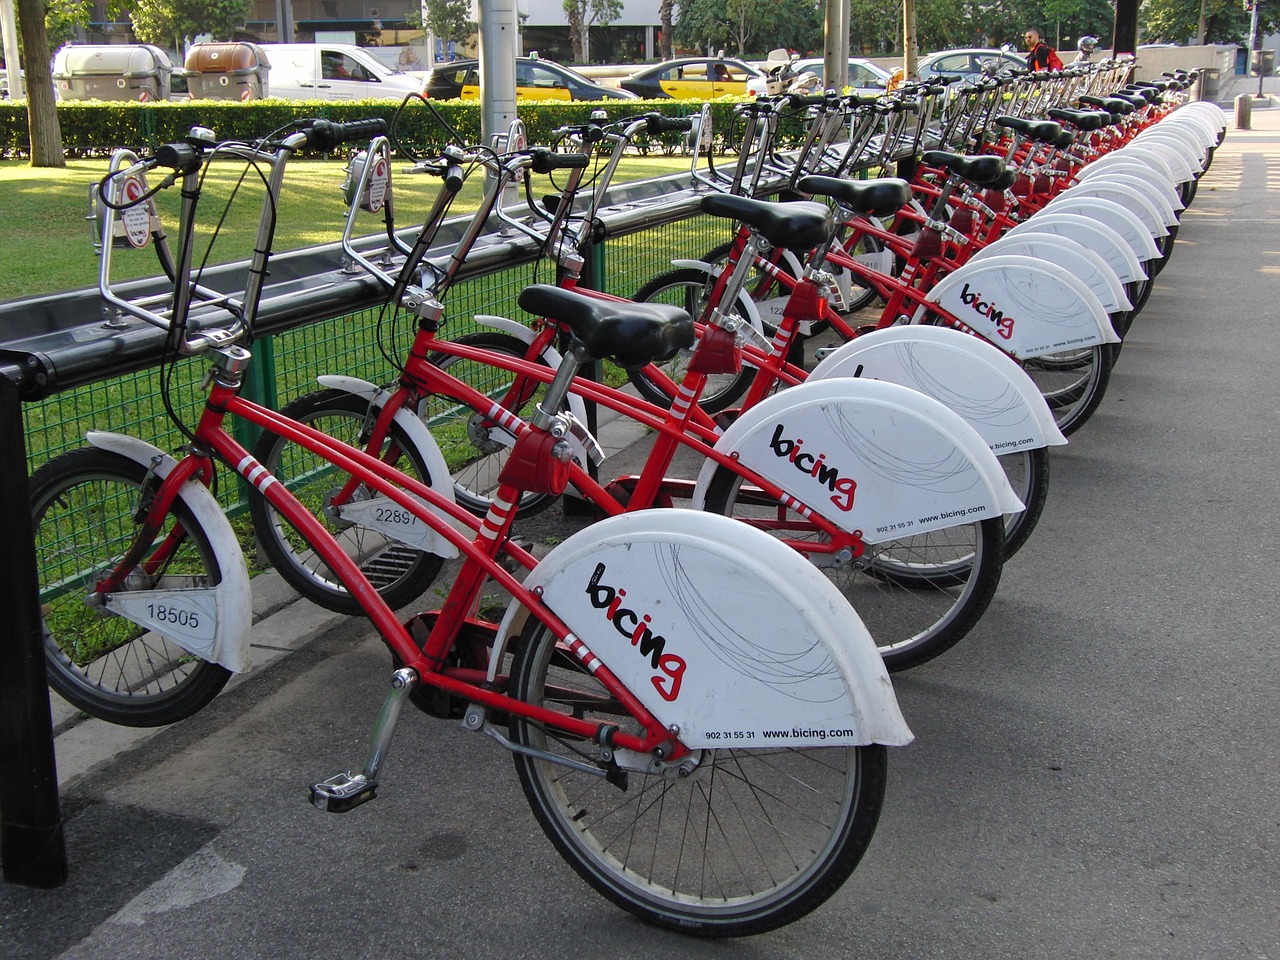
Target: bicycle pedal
<point>343,792</point>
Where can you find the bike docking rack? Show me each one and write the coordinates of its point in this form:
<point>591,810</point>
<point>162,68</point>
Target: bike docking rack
<point>58,342</point>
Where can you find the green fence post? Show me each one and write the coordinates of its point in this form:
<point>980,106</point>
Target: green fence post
<point>260,387</point>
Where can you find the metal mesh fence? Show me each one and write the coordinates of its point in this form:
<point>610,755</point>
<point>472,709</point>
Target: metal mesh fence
<point>367,345</point>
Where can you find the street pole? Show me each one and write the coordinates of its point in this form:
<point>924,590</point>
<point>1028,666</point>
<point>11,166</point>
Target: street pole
<point>9,26</point>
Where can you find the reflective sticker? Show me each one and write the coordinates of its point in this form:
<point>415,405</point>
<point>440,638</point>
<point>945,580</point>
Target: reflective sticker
<point>395,522</point>
<point>187,617</point>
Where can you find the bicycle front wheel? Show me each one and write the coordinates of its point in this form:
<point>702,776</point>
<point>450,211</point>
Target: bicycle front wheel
<point>751,840</point>
<point>689,288</point>
<point>918,596</point>
<point>82,507</point>
<point>475,448</point>
<point>399,572</point>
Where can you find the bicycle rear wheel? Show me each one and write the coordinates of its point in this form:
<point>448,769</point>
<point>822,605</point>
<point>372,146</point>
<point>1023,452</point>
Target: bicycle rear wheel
<point>751,840</point>
<point>399,572</point>
<point>1028,474</point>
<point>918,596</point>
<point>82,507</point>
<point>1073,382</point>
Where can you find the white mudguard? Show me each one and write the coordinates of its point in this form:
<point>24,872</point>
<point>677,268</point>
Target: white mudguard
<point>1094,234</point>
<point>870,456</point>
<point>1141,176</point>
<point>1177,140</point>
<point>381,513</point>
<point>1026,307</point>
<point>726,635</point>
<point>1101,187</point>
<point>1184,168</point>
<point>550,354</point>
<point>1212,114</point>
<point>1153,158</point>
<point>1124,221</point>
<point>1076,258</point>
<point>967,375</point>
<point>1147,165</point>
<point>211,622</point>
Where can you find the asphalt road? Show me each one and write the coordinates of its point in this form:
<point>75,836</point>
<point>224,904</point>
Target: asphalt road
<point>1096,772</point>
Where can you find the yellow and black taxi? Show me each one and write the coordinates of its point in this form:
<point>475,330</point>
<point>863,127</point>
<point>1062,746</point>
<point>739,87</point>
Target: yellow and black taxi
<point>535,80</point>
<point>692,78</point>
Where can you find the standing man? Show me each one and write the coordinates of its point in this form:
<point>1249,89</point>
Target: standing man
<point>1040,56</point>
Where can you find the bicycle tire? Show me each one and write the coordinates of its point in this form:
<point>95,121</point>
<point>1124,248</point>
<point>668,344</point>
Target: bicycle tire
<point>918,596</point>
<point>400,573</point>
<point>861,246</point>
<point>1028,474</point>
<point>752,840</point>
<point>1073,382</point>
<point>688,287</point>
<point>475,460</point>
<point>82,505</point>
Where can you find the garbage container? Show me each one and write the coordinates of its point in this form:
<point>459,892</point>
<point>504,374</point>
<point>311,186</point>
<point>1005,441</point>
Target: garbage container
<point>226,71</point>
<point>1210,83</point>
<point>127,71</point>
<point>1264,63</point>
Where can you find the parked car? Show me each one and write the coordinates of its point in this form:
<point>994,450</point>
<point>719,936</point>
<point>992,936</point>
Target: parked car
<point>865,77</point>
<point>693,78</point>
<point>968,61</point>
<point>535,80</point>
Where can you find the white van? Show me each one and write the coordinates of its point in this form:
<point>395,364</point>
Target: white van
<point>333,71</point>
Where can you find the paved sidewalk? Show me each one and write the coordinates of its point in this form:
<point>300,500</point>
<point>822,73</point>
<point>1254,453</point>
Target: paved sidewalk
<point>1095,772</point>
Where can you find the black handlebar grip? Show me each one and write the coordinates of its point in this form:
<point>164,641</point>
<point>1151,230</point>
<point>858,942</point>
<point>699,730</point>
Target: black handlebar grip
<point>182,157</point>
<point>657,123</point>
<point>544,161</point>
<point>325,134</point>
<point>453,178</point>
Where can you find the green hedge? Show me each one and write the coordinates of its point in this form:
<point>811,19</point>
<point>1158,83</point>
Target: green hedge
<point>96,128</point>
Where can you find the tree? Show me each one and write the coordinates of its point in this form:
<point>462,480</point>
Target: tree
<point>1226,21</point>
<point>168,22</point>
<point>750,27</point>
<point>447,20</point>
<point>62,19</point>
<point>581,15</point>
<point>42,111</point>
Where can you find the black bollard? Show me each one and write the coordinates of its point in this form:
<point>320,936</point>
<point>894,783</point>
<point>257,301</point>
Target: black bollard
<point>32,846</point>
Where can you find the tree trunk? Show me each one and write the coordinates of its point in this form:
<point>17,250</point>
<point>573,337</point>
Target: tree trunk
<point>42,111</point>
<point>664,12</point>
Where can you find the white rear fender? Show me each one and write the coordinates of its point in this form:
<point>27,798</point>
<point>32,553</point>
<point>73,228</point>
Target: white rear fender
<point>1026,307</point>
<point>1121,219</point>
<point>1142,177</point>
<point>1094,234</point>
<point>1076,258</point>
<point>967,375</point>
<point>1153,158</point>
<point>726,635</point>
<point>1103,187</point>
<point>1211,113</point>
<point>417,534</point>
<point>1175,157</point>
<point>870,456</point>
<point>214,621</point>
<point>549,353</point>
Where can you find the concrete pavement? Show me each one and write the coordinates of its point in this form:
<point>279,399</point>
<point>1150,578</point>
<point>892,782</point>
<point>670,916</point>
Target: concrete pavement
<point>1095,771</point>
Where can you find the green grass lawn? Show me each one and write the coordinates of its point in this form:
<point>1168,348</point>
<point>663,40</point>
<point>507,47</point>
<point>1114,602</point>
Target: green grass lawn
<point>48,247</point>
